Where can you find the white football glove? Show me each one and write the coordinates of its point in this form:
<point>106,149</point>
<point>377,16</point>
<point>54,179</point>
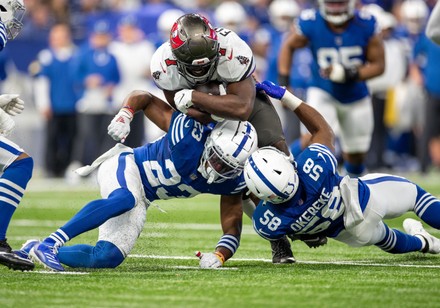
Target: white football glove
<point>12,104</point>
<point>6,123</point>
<point>182,99</point>
<point>119,127</point>
<point>341,74</point>
<point>210,259</point>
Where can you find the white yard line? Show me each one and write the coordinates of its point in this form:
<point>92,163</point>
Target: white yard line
<point>354,263</point>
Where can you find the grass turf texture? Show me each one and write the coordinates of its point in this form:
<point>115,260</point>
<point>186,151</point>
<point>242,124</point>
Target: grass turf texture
<point>162,271</point>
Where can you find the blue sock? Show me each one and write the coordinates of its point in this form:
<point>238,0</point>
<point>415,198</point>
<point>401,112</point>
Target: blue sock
<point>354,170</point>
<point>396,241</point>
<point>13,183</point>
<point>103,255</point>
<point>92,215</point>
<point>295,147</point>
<point>427,208</point>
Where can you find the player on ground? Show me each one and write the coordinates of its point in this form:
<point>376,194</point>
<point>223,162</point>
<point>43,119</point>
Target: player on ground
<point>197,53</point>
<point>16,165</point>
<point>190,159</point>
<point>309,196</point>
<point>347,50</point>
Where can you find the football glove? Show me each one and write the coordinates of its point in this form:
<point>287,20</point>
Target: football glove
<point>210,259</point>
<point>271,89</point>
<point>182,99</point>
<point>119,127</point>
<point>341,74</point>
<point>6,123</point>
<point>311,240</point>
<point>12,104</point>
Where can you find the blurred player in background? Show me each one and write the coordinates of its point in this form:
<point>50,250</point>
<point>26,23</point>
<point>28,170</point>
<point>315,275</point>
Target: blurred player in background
<point>309,196</point>
<point>190,159</point>
<point>433,26</point>
<point>347,50</point>
<point>16,165</point>
<point>198,53</point>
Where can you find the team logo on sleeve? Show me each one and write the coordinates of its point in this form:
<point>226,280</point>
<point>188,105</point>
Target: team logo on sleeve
<point>243,60</point>
<point>156,75</point>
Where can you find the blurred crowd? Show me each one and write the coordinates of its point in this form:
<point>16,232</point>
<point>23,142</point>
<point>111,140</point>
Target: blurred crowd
<point>76,60</point>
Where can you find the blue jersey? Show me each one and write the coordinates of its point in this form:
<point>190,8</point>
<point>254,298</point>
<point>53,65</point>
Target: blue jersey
<point>348,48</point>
<point>59,72</point>
<point>317,207</point>
<point>168,167</point>
<point>427,56</point>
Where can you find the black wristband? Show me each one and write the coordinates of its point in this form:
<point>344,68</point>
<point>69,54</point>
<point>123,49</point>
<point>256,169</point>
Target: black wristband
<point>283,80</point>
<point>351,74</point>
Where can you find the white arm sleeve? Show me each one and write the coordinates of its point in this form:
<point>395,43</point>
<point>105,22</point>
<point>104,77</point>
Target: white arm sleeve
<point>433,26</point>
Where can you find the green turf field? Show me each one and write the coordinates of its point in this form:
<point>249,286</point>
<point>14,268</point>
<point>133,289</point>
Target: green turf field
<point>162,270</point>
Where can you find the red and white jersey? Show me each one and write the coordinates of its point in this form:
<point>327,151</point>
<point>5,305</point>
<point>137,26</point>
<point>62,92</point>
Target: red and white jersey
<point>236,63</point>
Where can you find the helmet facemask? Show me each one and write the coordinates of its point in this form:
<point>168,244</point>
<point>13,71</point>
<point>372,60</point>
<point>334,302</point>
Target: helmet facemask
<point>11,14</point>
<point>337,12</point>
<point>226,150</point>
<point>195,46</point>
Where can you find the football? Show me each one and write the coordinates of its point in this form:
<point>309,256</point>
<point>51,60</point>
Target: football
<point>212,87</point>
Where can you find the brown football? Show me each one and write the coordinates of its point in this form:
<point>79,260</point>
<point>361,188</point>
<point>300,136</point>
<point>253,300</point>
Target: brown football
<point>211,87</point>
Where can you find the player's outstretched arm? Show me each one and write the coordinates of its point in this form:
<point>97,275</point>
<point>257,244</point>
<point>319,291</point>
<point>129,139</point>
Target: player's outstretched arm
<point>433,26</point>
<point>293,41</point>
<point>315,123</point>
<point>231,219</point>
<point>153,107</point>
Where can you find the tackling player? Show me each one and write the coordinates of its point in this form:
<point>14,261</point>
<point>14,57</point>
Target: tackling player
<point>347,50</point>
<point>198,53</point>
<point>16,165</point>
<point>190,159</point>
<point>309,196</point>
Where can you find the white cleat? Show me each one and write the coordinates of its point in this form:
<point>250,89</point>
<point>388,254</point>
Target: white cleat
<point>414,227</point>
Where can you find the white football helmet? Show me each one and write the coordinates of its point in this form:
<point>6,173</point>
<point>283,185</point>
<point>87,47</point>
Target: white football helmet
<point>166,21</point>
<point>282,13</point>
<point>337,11</point>
<point>11,14</point>
<point>226,150</point>
<point>231,15</point>
<point>414,15</point>
<point>270,175</point>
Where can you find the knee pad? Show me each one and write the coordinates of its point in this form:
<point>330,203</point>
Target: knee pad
<point>106,255</point>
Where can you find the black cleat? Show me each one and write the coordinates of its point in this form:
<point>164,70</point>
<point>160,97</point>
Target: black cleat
<point>281,251</point>
<point>11,260</point>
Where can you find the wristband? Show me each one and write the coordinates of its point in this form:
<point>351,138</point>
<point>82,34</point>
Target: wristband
<point>220,256</point>
<point>230,242</point>
<point>129,108</point>
<point>291,101</point>
<point>351,74</point>
<point>283,80</point>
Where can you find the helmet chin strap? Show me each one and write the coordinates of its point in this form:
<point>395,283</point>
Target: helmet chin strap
<point>208,173</point>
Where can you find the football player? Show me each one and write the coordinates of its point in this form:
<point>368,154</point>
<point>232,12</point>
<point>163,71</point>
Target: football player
<point>347,50</point>
<point>16,165</point>
<point>198,53</point>
<point>309,196</point>
<point>190,159</point>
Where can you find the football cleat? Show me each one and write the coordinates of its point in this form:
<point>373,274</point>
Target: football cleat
<point>13,261</point>
<point>281,251</point>
<point>26,249</point>
<point>414,227</point>
<point>47,256</point>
